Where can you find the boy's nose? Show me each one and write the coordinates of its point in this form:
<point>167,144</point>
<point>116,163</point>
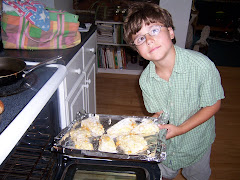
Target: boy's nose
<point>149,39</point>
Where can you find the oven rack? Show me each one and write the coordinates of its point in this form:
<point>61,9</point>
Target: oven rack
<point>32,157</point>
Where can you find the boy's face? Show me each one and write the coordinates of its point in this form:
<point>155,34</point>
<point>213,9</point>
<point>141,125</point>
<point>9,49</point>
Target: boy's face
<point>153,42</point>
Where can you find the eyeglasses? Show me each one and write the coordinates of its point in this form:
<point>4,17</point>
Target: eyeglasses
<point>153,31</point>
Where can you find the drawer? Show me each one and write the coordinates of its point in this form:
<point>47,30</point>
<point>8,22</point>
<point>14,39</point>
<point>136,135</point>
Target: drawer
<point>74,68</point>
<point>89,49</point>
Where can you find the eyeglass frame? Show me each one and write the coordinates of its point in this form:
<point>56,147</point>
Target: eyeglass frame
<point>146,34</point>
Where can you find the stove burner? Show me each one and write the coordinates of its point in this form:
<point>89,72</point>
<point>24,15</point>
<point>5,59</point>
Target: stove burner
<point>20,86</point>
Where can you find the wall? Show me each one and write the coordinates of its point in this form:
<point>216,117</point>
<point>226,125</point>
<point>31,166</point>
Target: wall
<point>180,11</point>
<point>66,5</point>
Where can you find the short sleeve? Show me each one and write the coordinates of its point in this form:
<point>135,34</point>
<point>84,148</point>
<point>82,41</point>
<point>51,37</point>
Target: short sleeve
<point>211,89</point>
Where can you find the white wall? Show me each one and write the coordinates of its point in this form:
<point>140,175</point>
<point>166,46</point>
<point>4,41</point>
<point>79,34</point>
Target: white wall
<point>180,11</point>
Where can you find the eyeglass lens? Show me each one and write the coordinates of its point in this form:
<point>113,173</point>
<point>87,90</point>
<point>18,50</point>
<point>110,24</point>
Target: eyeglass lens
<point>153,31</point>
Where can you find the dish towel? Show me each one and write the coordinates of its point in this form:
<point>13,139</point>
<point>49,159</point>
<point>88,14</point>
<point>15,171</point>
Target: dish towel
<point>33,11</point>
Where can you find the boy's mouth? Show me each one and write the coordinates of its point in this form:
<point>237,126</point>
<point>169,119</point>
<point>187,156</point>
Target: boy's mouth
<point>153,49</point>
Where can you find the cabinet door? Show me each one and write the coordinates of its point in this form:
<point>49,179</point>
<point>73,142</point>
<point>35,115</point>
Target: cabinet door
<point>76,101</point>
<point>74,67</point>
<point>89,49</point>
<point>90,87</point>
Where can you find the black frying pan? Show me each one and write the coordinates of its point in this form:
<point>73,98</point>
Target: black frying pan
<point>13,69</point>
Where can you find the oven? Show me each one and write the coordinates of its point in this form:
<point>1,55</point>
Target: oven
<point>29,128</point>
<point>29,122</point>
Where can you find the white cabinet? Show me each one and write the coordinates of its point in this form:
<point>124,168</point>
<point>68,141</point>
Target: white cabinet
<point>77,100</point>
<point>80,82</point>
<point>90,86</point>
<point>74,68</point>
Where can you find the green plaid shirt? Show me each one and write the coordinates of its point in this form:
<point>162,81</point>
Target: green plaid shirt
<point>195,83</point>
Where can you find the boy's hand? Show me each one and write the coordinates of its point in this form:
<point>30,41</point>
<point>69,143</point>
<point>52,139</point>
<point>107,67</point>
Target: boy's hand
<point>157,114</point>
<point>172,130</point>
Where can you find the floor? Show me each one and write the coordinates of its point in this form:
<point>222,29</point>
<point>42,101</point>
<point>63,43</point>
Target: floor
<point>121,95</point>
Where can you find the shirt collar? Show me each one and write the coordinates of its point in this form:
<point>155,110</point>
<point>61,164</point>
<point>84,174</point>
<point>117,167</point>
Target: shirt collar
<point>181,63</point>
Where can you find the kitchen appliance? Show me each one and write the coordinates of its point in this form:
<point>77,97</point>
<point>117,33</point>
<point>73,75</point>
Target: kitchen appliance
<point>24,102</point>
<point>28,131</point>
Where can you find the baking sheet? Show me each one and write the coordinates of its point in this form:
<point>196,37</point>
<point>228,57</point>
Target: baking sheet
<point>156,143</point>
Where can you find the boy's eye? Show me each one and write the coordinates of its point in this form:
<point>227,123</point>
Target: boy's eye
<point>154,31</point>
<point>140,39</point>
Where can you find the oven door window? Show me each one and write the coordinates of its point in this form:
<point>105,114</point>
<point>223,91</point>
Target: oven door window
<point>103,172</point>
<point>93,175</point>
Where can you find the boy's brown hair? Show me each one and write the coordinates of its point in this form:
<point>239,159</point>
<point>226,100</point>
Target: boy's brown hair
<point>140,12</point>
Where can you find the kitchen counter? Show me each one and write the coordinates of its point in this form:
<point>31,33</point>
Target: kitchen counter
<point>41,55</point>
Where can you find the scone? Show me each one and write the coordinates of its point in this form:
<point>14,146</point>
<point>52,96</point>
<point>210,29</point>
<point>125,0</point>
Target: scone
<point>80,133</point>
<point>93,125</point>
<point>80,137</point>
<point>83,144</point>
<point>146,128</point>
<point>123,127</point>
<point>107,144</point>
<point>132,144</point>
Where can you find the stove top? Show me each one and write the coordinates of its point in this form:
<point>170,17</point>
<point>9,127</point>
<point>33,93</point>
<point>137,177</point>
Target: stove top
<point>19,86</point>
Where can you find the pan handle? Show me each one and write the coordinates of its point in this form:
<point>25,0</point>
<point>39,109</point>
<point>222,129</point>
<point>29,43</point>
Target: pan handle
<point>48,61</point>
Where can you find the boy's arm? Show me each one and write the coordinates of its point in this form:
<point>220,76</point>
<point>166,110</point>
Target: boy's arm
<point>200,117</point>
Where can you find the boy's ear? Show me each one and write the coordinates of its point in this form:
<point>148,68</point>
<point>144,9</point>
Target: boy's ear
<point>171,32</point>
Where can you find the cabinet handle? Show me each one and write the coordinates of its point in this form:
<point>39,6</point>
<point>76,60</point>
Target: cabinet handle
<point>86,86</point>
<point>92,50</point>
<point>88,81</point>
<point>78,71</point>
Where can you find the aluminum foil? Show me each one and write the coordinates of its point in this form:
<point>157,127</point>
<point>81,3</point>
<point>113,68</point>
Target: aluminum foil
<point>156,150</point>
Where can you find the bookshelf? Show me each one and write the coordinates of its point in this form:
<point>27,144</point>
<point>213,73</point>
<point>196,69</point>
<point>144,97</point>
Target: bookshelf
<point>113,54</point>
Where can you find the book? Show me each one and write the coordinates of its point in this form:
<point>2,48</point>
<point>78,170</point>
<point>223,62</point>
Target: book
<point>119,58</point>
<point>105,33</point>
<point>110,58</point>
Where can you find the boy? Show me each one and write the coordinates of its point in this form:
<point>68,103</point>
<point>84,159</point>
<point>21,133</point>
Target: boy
<point>183,83</point>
